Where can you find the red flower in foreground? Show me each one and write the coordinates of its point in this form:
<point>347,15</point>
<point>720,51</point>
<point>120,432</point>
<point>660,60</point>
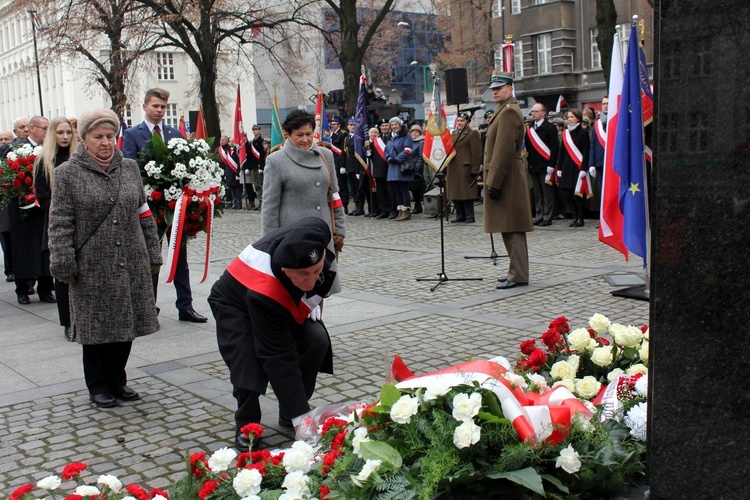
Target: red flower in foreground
<point>338,441</point>
<point>528,346</point>
<point>74,497</point>
<point>332,422</point>
<point>16,183</point>
<point>252,428</point>
<point>207,488</point>
<point>259,466</point>
<point>198,464</point>
<point>137,492</point>
<point>244,459</point>
<point>536,360</point>
<point>644,328</point>
<point>260,456</point>
<point>602,341</point>
<point>21,491</point>
<point>324,491</point>
<point>156,195</point>
<point>72,470</point>
<point>276,459</point>
<point>560,325</point>
<point>328,461</point>
<point>550,338</point>
<point>157,491</point>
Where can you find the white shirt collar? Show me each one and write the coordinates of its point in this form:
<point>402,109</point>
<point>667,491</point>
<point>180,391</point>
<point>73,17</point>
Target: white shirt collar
<point>152,125</point>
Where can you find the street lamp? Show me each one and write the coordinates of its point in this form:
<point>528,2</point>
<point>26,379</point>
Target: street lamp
<point>32,13</point>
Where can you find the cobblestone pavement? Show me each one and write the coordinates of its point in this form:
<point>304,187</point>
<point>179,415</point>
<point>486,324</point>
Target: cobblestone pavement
<point>46,420</point>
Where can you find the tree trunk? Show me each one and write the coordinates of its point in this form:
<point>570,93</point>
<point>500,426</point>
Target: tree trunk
<point>606,20</point>
<point>351,54</point>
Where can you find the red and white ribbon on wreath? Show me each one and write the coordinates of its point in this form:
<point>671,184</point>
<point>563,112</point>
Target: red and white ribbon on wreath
<point>178,228</point>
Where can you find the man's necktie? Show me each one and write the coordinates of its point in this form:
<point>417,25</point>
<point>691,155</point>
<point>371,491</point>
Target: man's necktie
<point>157,130</point>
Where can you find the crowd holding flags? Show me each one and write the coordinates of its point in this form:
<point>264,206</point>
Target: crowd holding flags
<point>624,209</point>
<point>438,143</point>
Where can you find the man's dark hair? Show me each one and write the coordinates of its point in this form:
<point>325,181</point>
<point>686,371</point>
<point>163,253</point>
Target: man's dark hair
<point>298,118</point>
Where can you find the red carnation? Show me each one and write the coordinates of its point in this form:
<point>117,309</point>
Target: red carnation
<point>198,464</point>
<point>253,428</point>
<point>30,168</point>
<point>332,422</point>
<point>324,491</point>
<point>338,441</point>
<point>172,204</point>
<point>644,328</point>
<point>592,333</point>
<point>550,338</point>
<point>156,195</point>
<point>207,488</point>
<point>29,198</point>
<point>74,497</point>
<point>5,186</point>
<point>260,456</point>
<point>602,341</point>
<point>260,467</point>
<point>194,216</point>
<point>16,183</point>
<point>328,461</point>
<point>157,221</point>
<point>276,459</point>
<point>14,166</point>
<point>528,346</point>
<point>21,491</point>
<point>244,459</point>
<point>137,492</point>
<point>536,360</point>
<point>157,491</point>
<point>28,181</point>
<point>72,470</point>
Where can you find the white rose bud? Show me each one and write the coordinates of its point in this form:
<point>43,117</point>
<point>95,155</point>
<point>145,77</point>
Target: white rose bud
<point>626,336</point>
<point>569,384</point>
<point>635,369</point>
<point>601,356</point>
<point>611,376</point>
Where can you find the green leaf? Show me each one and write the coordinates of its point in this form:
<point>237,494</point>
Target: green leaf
<point>493,405</point>
<point>389,395</point>
<point>492,419</point>
<point>160,148</point>
<point>552,479</point>
<point>375,450</point>
<point>527,477</point>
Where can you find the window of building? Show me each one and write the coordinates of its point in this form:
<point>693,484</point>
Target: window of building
<point>702,60</point>
<point>698,132</point>
<point>670,62</point>
<point>596,57</point>
<point>518,58</point>
<point>544,53</point>
<point>623,30</point>
<point>515,6</point>
<point>499,58</point>
<point>128,116</point>
<point>497,8</point>
<point>165,66</point>
<point>170,115</point>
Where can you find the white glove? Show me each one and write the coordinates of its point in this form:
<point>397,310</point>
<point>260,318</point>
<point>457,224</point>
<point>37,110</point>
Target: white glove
<point>247,171</point>
<point>357,176</point>
<point>550,170</point>
<point>592,171</point>
<point>581,174</point>
<point>260,170</point>
<point>314,314</point>
<point>559,173</point>
<point>342,170</point>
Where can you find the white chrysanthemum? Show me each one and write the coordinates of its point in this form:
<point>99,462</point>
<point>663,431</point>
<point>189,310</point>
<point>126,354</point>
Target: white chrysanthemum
<point>297,482</point>
<point>466,434</point>
<point>176,143</point>
<point>569,460</point>
<point>49,483</point>
<point>86,491</point>
<point>637,419</point>
<point>220,460</point>
<point>12,156</point>
<point>114,484</point>
<point>641,386</point>
<point>247,482</point>
<point>403,409</point>
<point>360,436</point>
<point>599,323</point>
<point>367,469</point>
<point>466,407</point>
<point>515,380</point>
<point>436,387</point>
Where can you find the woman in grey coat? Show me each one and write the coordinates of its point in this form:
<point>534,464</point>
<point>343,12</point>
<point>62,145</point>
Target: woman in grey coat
<point>103,244</point>
<point>299,181</point>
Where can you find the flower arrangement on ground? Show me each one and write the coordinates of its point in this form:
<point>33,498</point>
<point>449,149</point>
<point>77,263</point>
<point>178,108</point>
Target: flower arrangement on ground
<point>182,180</point>
<point>17,176</point>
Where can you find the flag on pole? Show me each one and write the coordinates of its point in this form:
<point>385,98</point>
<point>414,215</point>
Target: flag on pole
<point>182,128</point>
<point>320,118</point>
<point>628,160</point>
<point>277,138</point>
<point>610,216</point>
<point>647,96</point>
<point>238,132</point>
<point>122,134</point>
<point>561,103</point>
<point>360,120</point>
<point>438,143</point>
<point>200,127</point>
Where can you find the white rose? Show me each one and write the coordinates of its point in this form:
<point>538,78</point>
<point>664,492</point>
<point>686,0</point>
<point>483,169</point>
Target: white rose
<point>114,484</point>
<point>435,388</point>
<point>593,344</point>
<point>574,361</point>
<point>247,482</point>
<point>562,370</point>
<point>599,323</point>
<point>87,491</point>
<point>626,336</point>
<point>645,334</point>
<point>602,356</point>
<point>569,460</point>
<point>466,434</point>
<point>515,380</point>
<point>49,483</point>
<point>403,409</point>
<point>643,351</point>
<point>611,376</point>
<point>360,436</point>
<point>588,387</point>
<point>220,460</point>
<point>466,407</point>
<point>367,469</point>
<point>569,384</point>
<point>635,369</point>
<point>579,339</point>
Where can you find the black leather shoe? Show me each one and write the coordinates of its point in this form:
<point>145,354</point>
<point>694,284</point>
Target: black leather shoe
<point>357,213</point>
<point>125,393</point>
<point>505,285</point>
<point>243,444</point>
<point>69,334</point>
<point>545,223</point>
<point>393,214</point>
<point>457,220</point>
<point>10,277</point>
<point>31,291</point>
<point>105,400</point>
<point>470,220</point>
<point>417,209</point>
<point>23,299</point>
<point>538,222</point>
<point>502,280</point>
<point>283,422</point>
<point>48,297</point>
<point>383,215</point>
<point>192,316</point>
<point>578,223</point>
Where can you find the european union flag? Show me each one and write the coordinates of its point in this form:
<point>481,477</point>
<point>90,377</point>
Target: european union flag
<point>628,160</point>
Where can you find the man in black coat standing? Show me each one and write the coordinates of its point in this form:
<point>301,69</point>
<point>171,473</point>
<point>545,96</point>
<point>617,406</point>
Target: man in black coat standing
<point>231,162</point>
<point>338,138</point>
<point>256,162</point>
<point>134,138</point>
<point>542,145</point>
<point>268,327</point>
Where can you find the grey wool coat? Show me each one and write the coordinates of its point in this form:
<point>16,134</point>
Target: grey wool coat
<point>112,299</point>
<point>295,186</point>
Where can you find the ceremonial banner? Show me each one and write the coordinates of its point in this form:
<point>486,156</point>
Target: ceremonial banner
<point>181,127</point>
<point>319,113</point>
<point>438,143</point>
<point>238,131</point>
<point>123,128</point>
<point>277,138</point>
<point>360,119</point>
<point>561,103</point>
<point>200,127</point>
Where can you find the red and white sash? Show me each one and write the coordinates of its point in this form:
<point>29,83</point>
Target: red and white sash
<point>252,268</point>
<point>573,151</point>
<point>538,144</point>
<point>380,147</point>
<point>583,184</point>
<point>601,134</point>
<point>255,152</point>
<point>226,157</point>
<point>144,211</point>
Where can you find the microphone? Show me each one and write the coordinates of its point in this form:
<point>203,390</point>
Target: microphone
<point>472,109</point>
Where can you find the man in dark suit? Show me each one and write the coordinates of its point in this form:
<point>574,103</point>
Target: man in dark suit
<point>134,138</point>
<point>256,161</point>
<point>231,163</point>
<point>338,136</point>
<point>542,145</point>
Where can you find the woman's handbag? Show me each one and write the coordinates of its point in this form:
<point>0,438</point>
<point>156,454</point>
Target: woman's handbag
<point>407,166</point>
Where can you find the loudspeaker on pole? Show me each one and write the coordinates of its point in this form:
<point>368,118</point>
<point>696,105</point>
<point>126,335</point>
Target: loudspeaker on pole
<point>456,86</point>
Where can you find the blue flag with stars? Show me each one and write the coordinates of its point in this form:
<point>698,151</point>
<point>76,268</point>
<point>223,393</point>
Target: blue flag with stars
<point>628,160</point>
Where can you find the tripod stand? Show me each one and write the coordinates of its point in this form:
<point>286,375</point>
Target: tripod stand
<point>442,276</point>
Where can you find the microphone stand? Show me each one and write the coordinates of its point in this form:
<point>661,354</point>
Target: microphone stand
<point>493,254</point>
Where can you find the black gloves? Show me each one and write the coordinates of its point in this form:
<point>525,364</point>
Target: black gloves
<point>493,193</point>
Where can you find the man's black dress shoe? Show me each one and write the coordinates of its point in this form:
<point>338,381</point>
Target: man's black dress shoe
<point>393,214</point>
<point>104,400</point>
<point>69,334</point>
<point>31,291</point>
<point>502,280</point>
<point>242,443</point>
<point>457,220</point>
<point>10,277</point>
<point>125,393</point>
<point>383,215</point>
<point>192,316</point>
<point>545,223</point>
<point>283,422</point>
<point>537,222</point>
<point>48,297</point>
<point>470,220</point>
<point>504,285</point>
<point>23,299</point>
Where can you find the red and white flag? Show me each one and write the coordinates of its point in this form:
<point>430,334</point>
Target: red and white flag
<point>239,129</point>
<point>122,134</point>
<point>610,215</point>
<point>438,143</point>
<point>561,103</point>
<point>183,129</point>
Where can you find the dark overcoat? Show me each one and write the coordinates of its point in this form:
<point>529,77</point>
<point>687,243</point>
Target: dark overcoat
<point>565,163</point>
<point>112,299</point>
<point>503,170</point>
<point>464,166</point>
